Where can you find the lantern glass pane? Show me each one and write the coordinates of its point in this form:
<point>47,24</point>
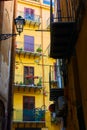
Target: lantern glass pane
<point>19,26</point>
<point>19,21</point>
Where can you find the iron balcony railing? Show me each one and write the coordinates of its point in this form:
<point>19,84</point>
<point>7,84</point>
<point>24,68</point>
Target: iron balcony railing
<point>66,10</point>
<point>30,47</point>
<point>29,17</point>
<point>32,115</point>
<point>28,81</point>
<point>56,77</point>
<point>65,26</point>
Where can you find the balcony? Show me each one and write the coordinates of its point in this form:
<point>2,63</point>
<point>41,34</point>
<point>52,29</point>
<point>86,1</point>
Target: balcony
<point>63,38</point>
<point>31,20</point>
<point>56,83</point>
<point>28,84</point>
<point>31,50</point>
<point>31,116</point>
<point>65,27</point>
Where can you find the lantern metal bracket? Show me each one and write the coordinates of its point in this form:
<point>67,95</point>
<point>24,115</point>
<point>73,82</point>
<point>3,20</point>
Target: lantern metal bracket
<point>6,36</point>
<point>19,22</point>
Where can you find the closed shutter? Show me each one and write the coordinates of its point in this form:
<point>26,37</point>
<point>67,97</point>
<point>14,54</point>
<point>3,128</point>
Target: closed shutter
<point>29,14</point>
<point>29,43</point>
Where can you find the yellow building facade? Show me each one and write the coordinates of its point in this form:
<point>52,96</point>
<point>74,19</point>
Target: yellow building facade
<point>31,83</point>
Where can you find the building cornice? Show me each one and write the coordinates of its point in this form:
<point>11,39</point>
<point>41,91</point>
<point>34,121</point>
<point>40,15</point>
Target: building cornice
<point>34,3</point>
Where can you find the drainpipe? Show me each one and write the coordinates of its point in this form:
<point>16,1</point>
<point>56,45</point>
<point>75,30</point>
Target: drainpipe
<point>42,55</point>
<point>11,78</point>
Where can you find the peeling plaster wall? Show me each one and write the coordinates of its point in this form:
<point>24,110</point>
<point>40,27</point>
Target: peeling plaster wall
<point>6,16</point>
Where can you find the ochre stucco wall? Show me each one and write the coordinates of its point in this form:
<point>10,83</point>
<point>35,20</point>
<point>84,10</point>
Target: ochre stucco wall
<point>77,75</point>
<point>81,51</point>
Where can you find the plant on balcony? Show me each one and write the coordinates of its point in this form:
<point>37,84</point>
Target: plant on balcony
<point>39,114</point>
<point>39,50</point>
<point>21,49</point>
<point>39,82</point>
<point>29,81</point>
<point>21,83</point>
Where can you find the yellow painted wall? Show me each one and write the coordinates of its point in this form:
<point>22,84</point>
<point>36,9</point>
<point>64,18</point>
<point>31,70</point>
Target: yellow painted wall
<point>42,38</point>
<point>18,96</point>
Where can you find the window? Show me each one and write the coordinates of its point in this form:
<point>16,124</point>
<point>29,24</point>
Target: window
<point>58,75</point>
<point>28,75</point>
<point>28,102</point>
<point>28,43</point>
<point>29,14</point>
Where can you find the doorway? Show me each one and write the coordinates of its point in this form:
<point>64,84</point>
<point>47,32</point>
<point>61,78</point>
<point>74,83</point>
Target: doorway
<point>28,106</point>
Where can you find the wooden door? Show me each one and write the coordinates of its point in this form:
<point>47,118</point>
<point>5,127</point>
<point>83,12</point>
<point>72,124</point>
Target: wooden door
<point>28,106</point>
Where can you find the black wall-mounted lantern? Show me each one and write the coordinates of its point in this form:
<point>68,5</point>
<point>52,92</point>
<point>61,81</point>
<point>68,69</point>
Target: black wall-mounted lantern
<point>19,22</point>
